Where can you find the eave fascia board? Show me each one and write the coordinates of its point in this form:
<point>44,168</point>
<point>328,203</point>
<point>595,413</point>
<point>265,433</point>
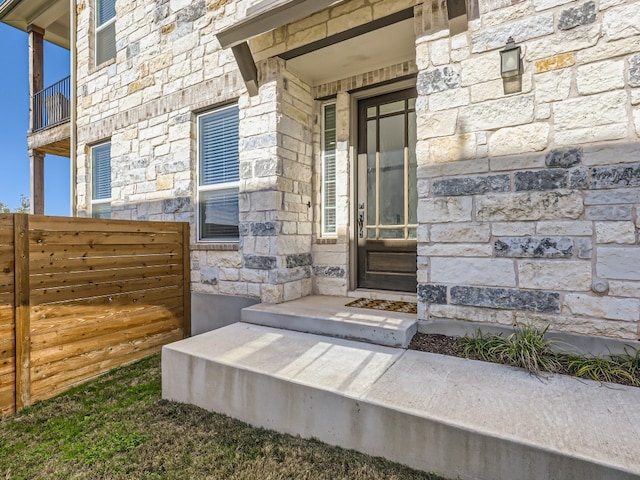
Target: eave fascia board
<point>6,7</point>
<point>269,19</point>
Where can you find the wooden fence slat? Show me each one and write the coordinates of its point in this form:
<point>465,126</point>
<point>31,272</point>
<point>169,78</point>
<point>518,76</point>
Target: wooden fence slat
<point>45,252</point>
<point>65,265</point>
<point>22,311</point>
<point>186,278</point>
<point>75,224</point>
<point>102,238</point>
<point>59,294</point>
<point>96,276</point>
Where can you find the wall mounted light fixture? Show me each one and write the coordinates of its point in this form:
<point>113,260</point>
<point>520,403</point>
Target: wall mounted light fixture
<point>511,67</point>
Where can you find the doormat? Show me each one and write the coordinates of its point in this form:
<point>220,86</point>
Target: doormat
<point>388,305</point>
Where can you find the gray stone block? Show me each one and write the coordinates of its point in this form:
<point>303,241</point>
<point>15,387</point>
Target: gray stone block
<point>437,80</point>
<point>192,12</point>
<point>609,212</point>
<point>329,271</point>
<point>176,205</point>
<point>550,179</point>
<point>432,293</point>
<point>259,262</point>
<point>264,229</point>
<point>471,185</point>
<point>534,247</point>
<point>585,248</point>
<point>579,178</point>
<point>612,197</point>
<point>299,260</point>
<point>634,71</point>
<point>615,177</point>
<point>506,298</point>
<point>563,158</point>
<point>574,17</point>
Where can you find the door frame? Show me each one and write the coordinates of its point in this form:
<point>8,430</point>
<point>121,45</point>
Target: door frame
<point>354,97</point>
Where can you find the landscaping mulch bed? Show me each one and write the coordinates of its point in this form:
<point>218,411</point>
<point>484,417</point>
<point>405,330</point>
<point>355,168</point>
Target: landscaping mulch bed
<point>434,343</point>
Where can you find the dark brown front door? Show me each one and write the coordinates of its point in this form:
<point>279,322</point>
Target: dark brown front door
<point>387,192</point>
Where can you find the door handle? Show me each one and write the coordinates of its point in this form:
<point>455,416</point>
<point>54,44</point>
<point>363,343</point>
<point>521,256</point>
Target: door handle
<point>361,220</point>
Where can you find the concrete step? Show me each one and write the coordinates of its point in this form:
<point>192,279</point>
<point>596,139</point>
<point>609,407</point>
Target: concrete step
<point>329,316</point>
<point>459,418</point>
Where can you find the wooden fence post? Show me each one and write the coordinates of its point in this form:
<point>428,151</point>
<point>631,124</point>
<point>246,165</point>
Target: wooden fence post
<point>23,311</point>
<point>186,272</point>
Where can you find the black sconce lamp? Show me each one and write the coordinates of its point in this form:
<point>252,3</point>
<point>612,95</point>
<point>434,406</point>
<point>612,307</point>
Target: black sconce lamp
<point>511,67</point>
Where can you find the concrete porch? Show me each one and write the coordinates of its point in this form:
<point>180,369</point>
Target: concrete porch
<point>459,418</point>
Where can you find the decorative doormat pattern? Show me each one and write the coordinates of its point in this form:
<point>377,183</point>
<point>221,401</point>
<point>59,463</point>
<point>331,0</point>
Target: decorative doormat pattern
<point>388,305</point>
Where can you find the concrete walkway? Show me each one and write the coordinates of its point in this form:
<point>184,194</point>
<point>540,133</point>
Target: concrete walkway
<point>460,418</point>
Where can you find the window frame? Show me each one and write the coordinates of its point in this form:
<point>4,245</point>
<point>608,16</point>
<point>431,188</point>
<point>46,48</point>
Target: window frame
<point>323,226</point>
<point>99,28</point>
<point>99,201</point>
<point>215,186</point>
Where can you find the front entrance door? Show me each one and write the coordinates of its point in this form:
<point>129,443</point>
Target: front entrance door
<point>387,196</point>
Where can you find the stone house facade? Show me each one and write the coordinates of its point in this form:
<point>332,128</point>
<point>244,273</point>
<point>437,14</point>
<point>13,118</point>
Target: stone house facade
<point>375,136</point>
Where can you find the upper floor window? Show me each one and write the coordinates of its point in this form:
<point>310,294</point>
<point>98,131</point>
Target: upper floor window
<point>101,181</point>
<point>218,175</point>
<point>105,30</point>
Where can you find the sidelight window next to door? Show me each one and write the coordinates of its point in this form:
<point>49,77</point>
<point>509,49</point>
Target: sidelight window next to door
<point>387,196</point>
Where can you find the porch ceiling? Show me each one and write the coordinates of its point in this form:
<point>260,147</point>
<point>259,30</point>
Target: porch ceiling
<point>51,15</point>
<point>370,51</point>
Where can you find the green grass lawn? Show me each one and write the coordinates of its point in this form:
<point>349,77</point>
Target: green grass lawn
<point>117,426</point>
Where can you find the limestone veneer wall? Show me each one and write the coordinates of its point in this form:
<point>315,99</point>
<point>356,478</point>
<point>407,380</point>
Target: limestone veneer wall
<point>529,202</point>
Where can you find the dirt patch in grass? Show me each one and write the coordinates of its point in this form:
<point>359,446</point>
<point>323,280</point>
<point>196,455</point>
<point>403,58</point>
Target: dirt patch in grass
<point>117,427</point>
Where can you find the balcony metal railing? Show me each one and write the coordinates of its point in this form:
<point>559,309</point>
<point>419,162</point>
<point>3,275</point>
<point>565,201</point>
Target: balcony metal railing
<point>51,105</point>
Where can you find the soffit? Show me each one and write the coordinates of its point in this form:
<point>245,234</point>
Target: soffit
<point>389,45</point>
<point>51,15</point>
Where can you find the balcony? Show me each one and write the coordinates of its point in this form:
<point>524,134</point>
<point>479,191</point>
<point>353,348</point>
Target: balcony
<point>52,105</point>
<point>51,112</point>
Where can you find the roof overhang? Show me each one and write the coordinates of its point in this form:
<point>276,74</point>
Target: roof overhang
<point>261,18</point>
<point>52,16</point>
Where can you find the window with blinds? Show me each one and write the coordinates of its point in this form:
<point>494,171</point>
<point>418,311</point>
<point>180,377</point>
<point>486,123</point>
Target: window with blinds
<point>329,169</point>
<point>101,181</point>
<point>105,30</point>
<point>218,175</point>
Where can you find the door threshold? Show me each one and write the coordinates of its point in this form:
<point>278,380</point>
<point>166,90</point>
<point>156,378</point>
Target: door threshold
<point>383,295</point>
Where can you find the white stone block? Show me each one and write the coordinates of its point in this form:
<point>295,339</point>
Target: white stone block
<point>437,124</point>
<point>552,86</point>
<point>480,68</point>
<point>529,206</point>
<point>513,229</point>
<point>603,307</point>
<point>622,22</point>
<point>616,232</point>
<point>600,77</point>
<point>522,139</point>
<point>505,112</point>
<point>572,228</point>
<point>585,112</point>
<point>471,314</point>
<point>456,250</point>
<point>496,272</point>
<point>444,209</point>
<point>600,133</point>
<point>557,274</point>
<point>460,232</point>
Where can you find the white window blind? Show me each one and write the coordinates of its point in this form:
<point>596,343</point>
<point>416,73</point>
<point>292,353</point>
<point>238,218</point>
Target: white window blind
<point>219,174</point>
<point>105,30</point>
<point>101,180</point>
<point>329,169</point>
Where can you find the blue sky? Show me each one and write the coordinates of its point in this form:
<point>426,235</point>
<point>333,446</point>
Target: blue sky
<point>14,123</point>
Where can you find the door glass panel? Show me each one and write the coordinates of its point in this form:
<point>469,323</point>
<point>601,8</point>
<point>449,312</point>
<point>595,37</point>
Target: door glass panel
<point>412,103</point>
<point>413,170</point>
<point>392,170</point>
<point>371,233</point>
<point>392,233</point>
<point>392,107</point>
<point>412,234</point>
<point>371,172</point>
<point>371,112</point>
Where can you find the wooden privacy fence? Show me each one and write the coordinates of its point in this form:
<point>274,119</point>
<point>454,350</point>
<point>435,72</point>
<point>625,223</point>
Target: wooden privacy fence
<point>80,296</point>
